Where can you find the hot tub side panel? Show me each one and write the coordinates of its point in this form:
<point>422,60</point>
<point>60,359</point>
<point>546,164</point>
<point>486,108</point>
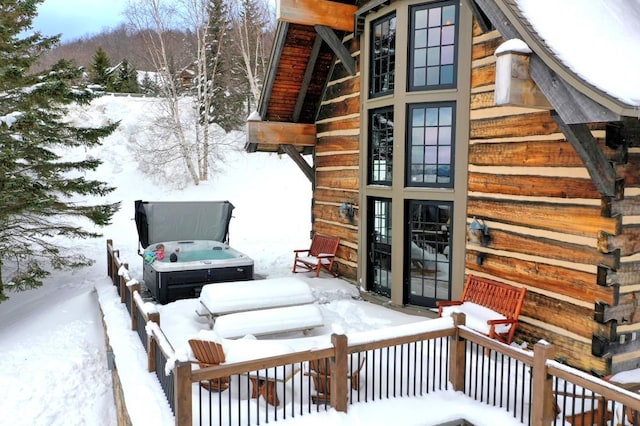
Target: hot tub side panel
<point>170,286</point>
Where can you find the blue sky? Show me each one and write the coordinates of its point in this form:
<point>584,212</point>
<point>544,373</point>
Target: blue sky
<point>77,18</point>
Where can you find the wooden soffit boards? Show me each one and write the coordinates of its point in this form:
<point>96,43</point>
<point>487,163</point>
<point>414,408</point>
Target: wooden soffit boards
<point>338,16</point>
<point>281,133</point>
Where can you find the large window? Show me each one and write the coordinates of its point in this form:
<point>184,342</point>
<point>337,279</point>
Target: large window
<point>381,146</point>
<point>383,56</point>
<point>432,59</point>
<point>428,235</point>
<point>430,143</point>
<point>380,245</point>
<point>416,114</point>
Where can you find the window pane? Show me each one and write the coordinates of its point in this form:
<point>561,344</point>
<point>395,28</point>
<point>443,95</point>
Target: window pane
<point>433,77</point>
<point>428,244</point>
<point>433,56</point>
<point>419,76</point>
<point>440,34</point>
<point>420,38</point>
<point>381,146</point>
<point>379,259</point>
<point>447,34</point>
<point>434,17</point>
<point>420,59</point>
<point>434,36</point>
<point>448,15</point>
<point>430,157</point>
<point>382,53</point>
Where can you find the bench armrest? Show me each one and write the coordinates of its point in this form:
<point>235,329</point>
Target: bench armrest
<point>444,303</point>
<point>300,250</point>
<point>325,256</point>
<point>502,321</point>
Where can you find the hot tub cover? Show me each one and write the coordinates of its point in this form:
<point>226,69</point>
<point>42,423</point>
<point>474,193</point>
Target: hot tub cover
<point>159,221</point>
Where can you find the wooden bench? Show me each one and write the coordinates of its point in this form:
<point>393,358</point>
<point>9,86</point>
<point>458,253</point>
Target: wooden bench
<point>491,307</point>
<point>320,255</point>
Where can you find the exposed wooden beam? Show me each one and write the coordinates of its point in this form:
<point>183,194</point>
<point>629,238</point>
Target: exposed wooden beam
<point>338,16</point>
<point>306,79</point>
<point>277,133</point>
<point>291,151</point>
<point>601,171</point>
<point>338,48</point>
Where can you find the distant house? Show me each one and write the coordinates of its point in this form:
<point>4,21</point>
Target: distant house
<point>422,117</point>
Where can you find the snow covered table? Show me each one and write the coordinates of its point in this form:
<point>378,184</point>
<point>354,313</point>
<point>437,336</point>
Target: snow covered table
<point>259,307</point>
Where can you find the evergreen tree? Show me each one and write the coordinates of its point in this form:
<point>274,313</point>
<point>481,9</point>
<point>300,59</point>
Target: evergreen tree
<point>40,190</point>
<point>224,79</point>
<point>101,69</point>
<point>126,79</point>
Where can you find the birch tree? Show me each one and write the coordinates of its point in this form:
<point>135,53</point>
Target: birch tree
<point>254,28</point>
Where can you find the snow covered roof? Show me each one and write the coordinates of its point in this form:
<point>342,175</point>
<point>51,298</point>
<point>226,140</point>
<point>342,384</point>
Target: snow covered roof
<point>592,43</point>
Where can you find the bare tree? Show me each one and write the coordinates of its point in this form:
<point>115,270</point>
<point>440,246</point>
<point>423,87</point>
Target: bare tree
<point>154,20</point>
<point>254,27</point>
<point>207,24</point>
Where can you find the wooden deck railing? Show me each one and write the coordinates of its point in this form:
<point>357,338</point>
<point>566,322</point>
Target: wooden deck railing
<point>531,386</point>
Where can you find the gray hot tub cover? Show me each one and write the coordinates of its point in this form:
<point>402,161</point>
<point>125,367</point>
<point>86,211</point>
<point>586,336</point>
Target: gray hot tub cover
<point>159,221</point>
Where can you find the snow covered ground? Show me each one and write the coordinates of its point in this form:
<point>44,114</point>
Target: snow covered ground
<point>53,363</point>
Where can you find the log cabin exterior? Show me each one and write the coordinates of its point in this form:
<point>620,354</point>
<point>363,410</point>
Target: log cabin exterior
<point>417,120</point>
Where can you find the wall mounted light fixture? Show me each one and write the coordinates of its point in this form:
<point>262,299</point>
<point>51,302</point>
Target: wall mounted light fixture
<point>479,235</point>
<point>347,211</point>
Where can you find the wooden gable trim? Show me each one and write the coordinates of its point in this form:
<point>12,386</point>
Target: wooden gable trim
<point>278,133</point>
<point>338,48</point>
<point>338,16</point>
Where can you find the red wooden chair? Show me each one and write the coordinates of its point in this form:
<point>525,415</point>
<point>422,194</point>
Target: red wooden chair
<point>320,255</point>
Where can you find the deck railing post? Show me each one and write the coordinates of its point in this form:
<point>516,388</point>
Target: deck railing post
<point>182,394</point>
<point>123,282</point>
<point>134,307</point>
<point>109,261</point>
<point>152,347</point>
<point>457,356</point>
<point>542,385</point>
<point>339,373</point>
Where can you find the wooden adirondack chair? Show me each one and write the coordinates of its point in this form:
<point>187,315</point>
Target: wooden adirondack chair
<point>209,354</point>
<point>320,372</point>
<point>320,255</point>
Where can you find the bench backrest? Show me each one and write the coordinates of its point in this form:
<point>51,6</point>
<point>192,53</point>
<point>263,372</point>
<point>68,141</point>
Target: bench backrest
<point>502,298</point>
<point>323,244</point>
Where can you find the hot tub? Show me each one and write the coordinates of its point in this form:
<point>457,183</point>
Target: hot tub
<point>177,268</point>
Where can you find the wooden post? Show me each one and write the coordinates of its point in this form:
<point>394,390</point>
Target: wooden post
<point>542,412</point>
<point>152,347</point>
<point>109,264</point>
<point>457,353</point>
<point>155,317</point>
<point>339,370</point>
<point>134,307</point>
<point>123,283</point>
<point>182,394</point>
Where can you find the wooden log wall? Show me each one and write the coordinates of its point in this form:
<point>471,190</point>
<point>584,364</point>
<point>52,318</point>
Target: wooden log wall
<point>337,160</point>
<point>577,253</point>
